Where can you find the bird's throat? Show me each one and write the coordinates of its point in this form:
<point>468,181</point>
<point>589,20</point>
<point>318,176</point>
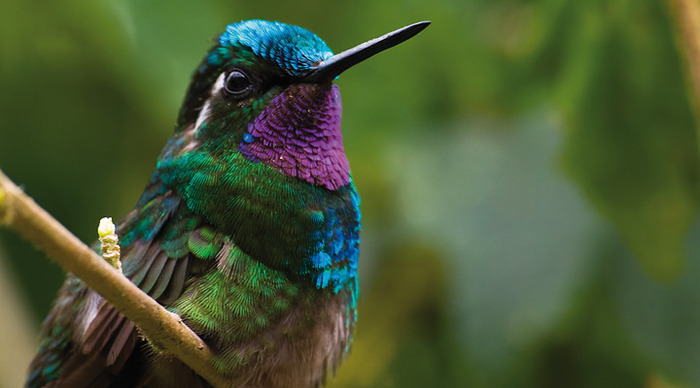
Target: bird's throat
<point>298,134</point>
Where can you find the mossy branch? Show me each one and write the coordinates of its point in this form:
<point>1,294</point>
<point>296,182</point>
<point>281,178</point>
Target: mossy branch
<point>163,328</point>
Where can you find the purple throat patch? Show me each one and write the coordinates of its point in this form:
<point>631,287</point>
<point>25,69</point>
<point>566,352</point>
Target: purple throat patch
<point>299,135</point>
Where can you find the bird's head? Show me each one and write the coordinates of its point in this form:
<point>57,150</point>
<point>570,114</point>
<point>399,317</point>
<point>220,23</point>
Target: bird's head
<point>265,90</point>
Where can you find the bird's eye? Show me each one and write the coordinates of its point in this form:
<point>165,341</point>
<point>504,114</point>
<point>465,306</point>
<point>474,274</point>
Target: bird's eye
<point>238,84</point>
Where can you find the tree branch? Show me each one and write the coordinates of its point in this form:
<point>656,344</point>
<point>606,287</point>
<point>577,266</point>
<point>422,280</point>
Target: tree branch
<point>163,328</point>
<point>686,18</point>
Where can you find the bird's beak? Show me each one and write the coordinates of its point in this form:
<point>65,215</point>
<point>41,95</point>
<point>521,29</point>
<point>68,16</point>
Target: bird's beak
<point>330,68</point>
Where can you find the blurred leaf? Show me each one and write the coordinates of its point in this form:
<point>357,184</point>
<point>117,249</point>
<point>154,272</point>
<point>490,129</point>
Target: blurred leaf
<point>493,200</point>
<point>631,142</point>
<point>663,319</point>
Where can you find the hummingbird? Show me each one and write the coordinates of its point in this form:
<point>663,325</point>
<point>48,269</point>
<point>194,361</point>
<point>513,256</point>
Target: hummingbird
<point>248,228</point>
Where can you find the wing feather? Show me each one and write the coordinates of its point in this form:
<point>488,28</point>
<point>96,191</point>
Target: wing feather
<point>96,354</point>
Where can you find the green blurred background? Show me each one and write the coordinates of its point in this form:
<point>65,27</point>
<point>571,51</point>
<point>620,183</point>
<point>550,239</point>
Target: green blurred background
<point>528,171</point>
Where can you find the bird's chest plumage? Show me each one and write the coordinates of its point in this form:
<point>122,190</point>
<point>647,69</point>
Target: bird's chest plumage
<point>288,224</point>
<point>265,330</point>
<point>277,300</point>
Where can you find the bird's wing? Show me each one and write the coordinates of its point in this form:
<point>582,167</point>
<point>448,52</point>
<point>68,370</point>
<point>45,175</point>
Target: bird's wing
<point>87,342</point>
